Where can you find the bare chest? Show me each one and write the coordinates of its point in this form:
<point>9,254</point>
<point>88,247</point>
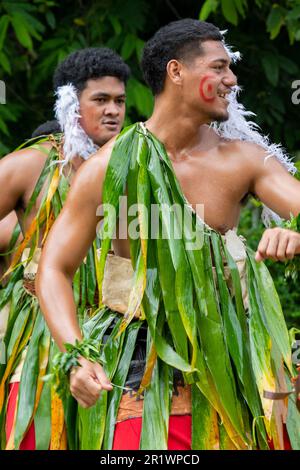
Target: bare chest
<point>214,191</point>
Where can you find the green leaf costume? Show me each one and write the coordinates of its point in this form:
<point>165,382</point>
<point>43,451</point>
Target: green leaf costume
<point>190,293</point>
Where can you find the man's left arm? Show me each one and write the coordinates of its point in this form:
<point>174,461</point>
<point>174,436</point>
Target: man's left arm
<point>280,191</point>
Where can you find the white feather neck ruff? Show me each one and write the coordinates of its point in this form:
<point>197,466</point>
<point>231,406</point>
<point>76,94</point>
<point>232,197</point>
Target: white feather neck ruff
<point>67,112</point>
<point>237,127</point>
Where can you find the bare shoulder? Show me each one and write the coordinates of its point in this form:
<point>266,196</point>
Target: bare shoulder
<point>260,160</point>
<point>20,170</point>
<point>28,159</point>
<point>233,147</point>
<point>242,148</point>
<point>252,157</point>
<point>250,150</point>
<point>31,152</point>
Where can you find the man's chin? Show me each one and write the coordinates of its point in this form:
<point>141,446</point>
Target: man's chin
<point>105,137</point>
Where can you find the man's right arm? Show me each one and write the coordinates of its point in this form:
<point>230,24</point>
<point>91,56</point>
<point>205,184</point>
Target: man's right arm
<point>19,172</point>
<point>67,244</point>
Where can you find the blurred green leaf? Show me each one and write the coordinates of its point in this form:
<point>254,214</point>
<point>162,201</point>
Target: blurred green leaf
<point>51,19</point>
<point>12,6</point>
<point>294,14</point>
<point>3,149</point>
<point>271,67</point>
<point>8,114</point>
<point>241,6</point>
<point>229,11</point>
<point>21,30</point>
<point>128,46</point>
<point>4,62</point>
<point>274,21</point>
<point>297,35</point>
<point>140,97</point>
<point>34,25</point>
<point>288,65</point>
<point>3,127</point>
<point>278,103</point>
<point>79,22</point>
<point>116,24</point>
<point>52,44</point>
<point>4,22</point>
<point>139,46</point>
<point>208,7</point>
<point>278,116</point>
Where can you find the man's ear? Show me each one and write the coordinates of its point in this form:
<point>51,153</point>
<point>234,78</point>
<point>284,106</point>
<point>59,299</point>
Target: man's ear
<point>174,71</point>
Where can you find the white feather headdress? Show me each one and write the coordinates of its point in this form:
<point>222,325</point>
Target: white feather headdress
<point>67,112</point>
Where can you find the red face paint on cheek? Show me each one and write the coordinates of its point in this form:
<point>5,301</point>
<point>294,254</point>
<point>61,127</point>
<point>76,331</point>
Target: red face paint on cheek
<point>206,89</point>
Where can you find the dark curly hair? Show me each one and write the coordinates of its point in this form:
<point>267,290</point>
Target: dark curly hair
<point>179,40</point>
<point>91,62</point>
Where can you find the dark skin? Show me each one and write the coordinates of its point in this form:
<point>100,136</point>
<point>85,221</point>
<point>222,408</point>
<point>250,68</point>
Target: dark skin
<point>211,171</point>
<point>102,107</point>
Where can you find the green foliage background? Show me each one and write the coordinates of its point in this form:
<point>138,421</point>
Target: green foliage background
<point>36,35</point>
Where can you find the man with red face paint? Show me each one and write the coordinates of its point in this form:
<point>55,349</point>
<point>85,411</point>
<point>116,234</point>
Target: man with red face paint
<point>188,69</point>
